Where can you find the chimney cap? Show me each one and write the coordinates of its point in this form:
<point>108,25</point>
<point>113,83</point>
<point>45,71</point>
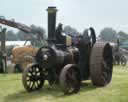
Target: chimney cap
<point>51,6</point>
<point>51,9</point>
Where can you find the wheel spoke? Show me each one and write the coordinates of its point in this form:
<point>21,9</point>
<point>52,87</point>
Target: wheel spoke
<point>38,74</point>
<point>69,75</point>
<point>30,84</point>
<point>37,85</point>
<point>28,79</point>
<point>29,74</point>
<point>33,85</point>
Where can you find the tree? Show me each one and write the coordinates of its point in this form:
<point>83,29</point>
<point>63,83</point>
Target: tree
<point>11,36</point>
<point>108,34</point>
<point>24,36</point>
<point>70,31</point>
<point>21,35</point>
<point>40,30</point>
<point>122,36</point>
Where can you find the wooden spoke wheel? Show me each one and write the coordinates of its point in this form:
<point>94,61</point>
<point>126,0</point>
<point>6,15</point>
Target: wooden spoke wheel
<point>70,79</point>
<point>101,64</point>
<point>32,78</point>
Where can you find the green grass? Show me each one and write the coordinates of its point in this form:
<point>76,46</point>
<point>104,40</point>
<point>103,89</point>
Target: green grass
<point>12,90</point>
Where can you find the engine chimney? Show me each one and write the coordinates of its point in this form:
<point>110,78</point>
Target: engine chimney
<point>51,23</point>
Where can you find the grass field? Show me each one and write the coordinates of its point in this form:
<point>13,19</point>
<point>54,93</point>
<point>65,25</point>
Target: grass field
<point>11,90</point>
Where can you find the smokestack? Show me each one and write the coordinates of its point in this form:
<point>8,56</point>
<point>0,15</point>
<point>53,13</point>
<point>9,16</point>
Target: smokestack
<point>51,23</point>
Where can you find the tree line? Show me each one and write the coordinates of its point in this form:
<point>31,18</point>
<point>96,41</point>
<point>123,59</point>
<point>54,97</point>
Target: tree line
<point>111,35</point>
<point>106,34</point>
<point>22,36</point>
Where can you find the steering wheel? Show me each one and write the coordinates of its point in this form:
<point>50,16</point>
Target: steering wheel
<point>89,36</point>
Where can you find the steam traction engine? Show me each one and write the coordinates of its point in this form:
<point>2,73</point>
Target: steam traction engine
<point>68,62</point>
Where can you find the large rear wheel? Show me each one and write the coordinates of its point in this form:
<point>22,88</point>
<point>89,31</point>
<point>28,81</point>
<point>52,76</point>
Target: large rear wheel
<point>101,64</point>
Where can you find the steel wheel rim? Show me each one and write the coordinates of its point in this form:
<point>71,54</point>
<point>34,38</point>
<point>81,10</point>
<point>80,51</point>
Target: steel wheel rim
<point>72,80</point>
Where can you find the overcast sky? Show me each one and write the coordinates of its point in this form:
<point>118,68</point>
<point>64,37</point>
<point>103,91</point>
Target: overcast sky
<point>77,13</point>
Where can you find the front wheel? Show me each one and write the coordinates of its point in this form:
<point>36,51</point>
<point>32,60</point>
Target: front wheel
<point>32,78</point>
<point>70,79</point>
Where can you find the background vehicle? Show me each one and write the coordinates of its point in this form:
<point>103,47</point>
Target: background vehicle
<point>21,56</point>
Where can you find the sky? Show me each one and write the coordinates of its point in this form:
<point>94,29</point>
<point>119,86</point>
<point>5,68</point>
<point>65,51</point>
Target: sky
<point>80,14</point>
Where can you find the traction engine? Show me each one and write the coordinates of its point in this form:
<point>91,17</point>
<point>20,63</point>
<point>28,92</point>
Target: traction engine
<point>68,62</point>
